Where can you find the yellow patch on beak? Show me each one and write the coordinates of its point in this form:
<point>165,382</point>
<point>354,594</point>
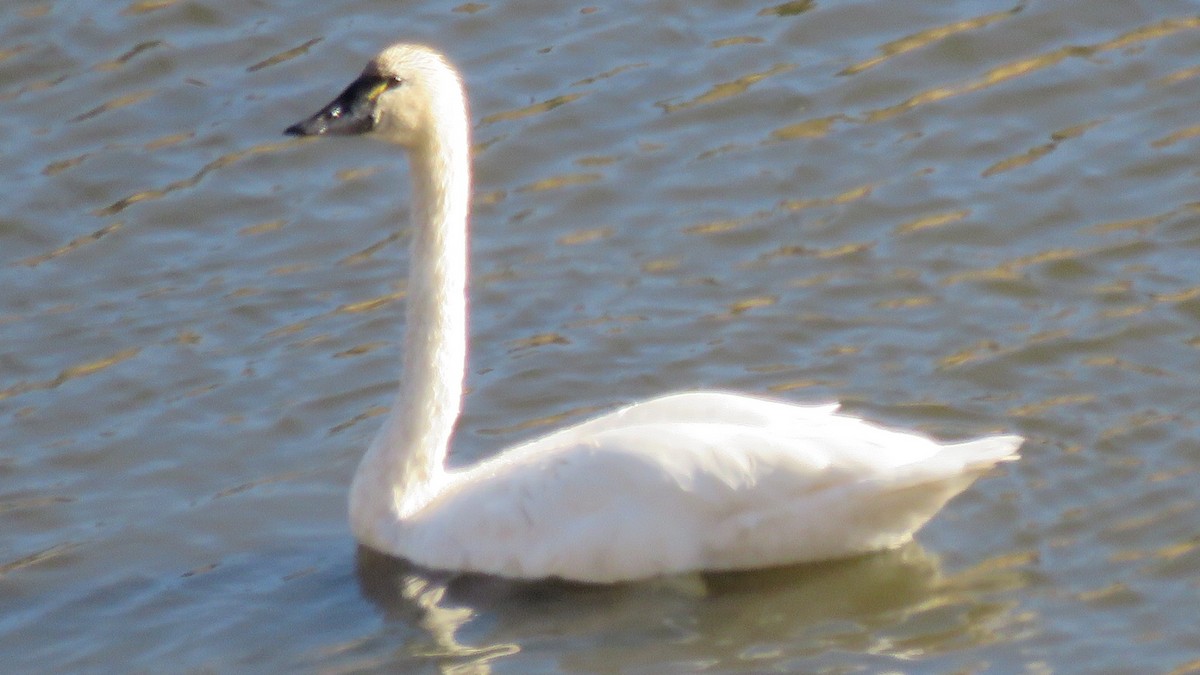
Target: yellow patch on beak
<point>378,89</point>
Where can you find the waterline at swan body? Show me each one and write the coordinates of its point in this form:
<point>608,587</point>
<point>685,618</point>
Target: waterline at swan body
<point>686,482</point>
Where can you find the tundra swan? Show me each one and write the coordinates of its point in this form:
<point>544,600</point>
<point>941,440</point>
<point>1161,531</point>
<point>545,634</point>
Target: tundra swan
<point>688,482</point>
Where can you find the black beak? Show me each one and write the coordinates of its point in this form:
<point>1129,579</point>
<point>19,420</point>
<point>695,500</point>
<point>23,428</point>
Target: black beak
<point>352,112</point>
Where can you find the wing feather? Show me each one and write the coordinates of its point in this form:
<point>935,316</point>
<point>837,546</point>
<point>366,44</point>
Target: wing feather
<point>628,495</point>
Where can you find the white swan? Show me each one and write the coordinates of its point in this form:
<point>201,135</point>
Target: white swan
<point>688,482</point>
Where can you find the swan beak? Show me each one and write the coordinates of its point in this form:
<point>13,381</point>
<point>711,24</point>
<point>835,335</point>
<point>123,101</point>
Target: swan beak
<point>352,112</point>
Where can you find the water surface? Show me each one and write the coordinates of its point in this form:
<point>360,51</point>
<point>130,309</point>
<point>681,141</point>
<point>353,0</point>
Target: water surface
<point>960,217</point>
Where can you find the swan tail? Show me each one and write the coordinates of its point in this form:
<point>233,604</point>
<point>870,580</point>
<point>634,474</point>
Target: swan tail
<point>983,453</point>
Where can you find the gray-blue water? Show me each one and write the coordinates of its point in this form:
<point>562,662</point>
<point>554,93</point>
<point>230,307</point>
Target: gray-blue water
<point>961,217</point>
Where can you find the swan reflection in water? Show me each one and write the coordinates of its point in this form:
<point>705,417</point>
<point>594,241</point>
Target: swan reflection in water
<point>871,604</point>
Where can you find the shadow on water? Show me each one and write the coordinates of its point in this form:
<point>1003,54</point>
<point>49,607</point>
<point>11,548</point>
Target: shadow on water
<point>896,605</point>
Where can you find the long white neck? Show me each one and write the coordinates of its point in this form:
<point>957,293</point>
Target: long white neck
<point>404,465</point>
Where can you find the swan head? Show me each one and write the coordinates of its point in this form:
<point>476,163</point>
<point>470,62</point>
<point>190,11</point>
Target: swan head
<point>400,96</point>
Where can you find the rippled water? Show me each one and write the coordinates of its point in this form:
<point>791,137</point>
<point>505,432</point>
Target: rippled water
<point>963,217</point>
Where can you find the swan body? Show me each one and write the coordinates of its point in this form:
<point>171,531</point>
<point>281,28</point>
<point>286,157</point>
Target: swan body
<point>687,482</point>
